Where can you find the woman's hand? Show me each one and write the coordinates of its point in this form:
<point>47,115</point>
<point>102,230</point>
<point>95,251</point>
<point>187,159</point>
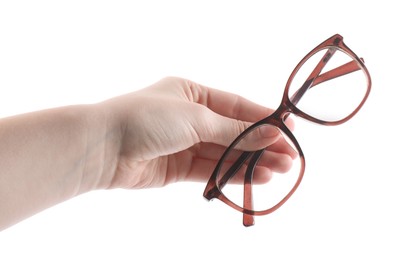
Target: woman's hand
<point>176,130</point>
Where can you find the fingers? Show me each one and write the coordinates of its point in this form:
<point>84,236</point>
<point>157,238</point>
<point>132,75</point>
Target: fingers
<point>281,146</point>
<point>217,118</point>
<point>222,116</point>
<point>214,128</point>
<point>225,103</point>
<point>211,153</point>
<point>200,172</point>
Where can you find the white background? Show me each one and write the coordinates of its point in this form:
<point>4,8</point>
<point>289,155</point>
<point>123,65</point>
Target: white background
<point>352,202</point>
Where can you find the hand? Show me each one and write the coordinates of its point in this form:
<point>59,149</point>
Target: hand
<point>176,130</point>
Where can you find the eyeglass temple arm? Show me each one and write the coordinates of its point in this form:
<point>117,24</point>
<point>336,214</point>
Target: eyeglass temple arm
<point>234,169</point>
<point>346,68</point>
<point>211,191</point>
<point>314,74</point>
<point>248,219</point>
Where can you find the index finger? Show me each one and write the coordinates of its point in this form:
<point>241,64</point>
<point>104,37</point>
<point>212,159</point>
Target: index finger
<point>229,104</point>
<point>226,103</point>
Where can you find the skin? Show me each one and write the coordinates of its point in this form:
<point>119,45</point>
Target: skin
<point>175,130</point>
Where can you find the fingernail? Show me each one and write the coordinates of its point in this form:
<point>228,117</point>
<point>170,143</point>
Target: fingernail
<point>268,131</point>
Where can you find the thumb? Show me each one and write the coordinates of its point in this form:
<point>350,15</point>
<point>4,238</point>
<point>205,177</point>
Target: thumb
<point>218,129</point>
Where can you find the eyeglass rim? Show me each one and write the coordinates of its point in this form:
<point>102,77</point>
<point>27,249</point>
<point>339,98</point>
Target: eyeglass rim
<point>213,190</point>
<point>335,41</point>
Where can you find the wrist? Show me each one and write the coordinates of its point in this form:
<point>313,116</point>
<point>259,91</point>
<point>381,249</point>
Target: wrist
<point>103,146</point>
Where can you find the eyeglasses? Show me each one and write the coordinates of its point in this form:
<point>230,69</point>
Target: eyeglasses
<point>328,87</point>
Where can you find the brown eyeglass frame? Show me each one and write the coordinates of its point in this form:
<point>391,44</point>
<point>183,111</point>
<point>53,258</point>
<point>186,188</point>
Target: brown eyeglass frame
<point>288,105</point>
